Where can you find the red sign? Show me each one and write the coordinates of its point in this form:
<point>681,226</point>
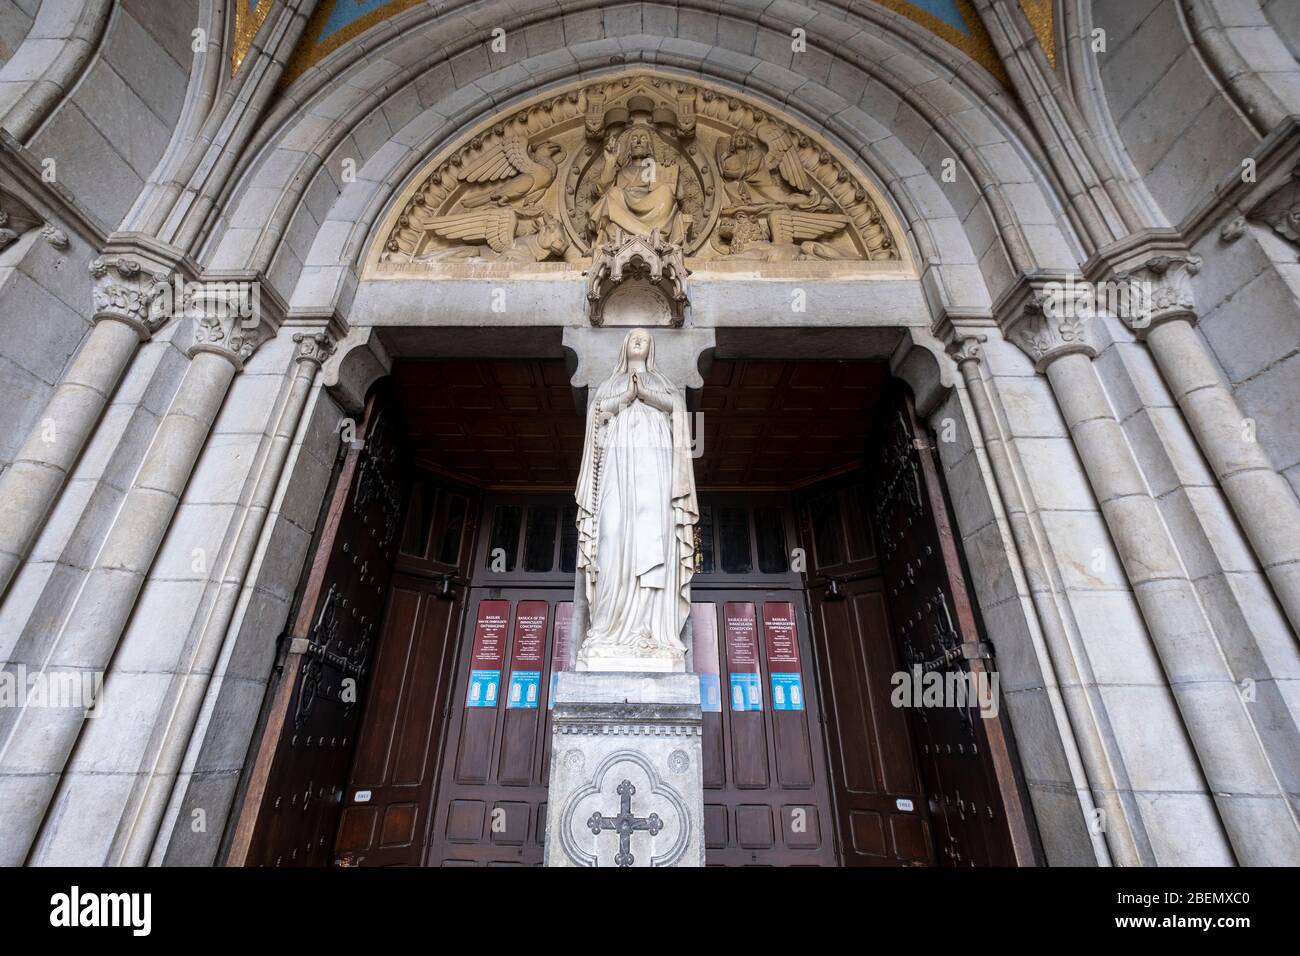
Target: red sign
<point>741,626</point>
<point>704,654</point>
<point>704,641</point>
<point>562,645</point>
<point>490,635</point>
<point>782,637</point>
<point>530,636</point>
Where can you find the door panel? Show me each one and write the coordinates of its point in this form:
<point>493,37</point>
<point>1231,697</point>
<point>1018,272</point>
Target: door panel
<point>880,808</point>
<point>388,798</point>
<point>766,797</point>
<point>389,795</point>
<point>291,806</point>
<point>491,800</point>
<point>966,759</point>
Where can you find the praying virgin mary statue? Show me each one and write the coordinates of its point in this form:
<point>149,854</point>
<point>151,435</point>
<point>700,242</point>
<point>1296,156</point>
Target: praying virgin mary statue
<point>636,518</point>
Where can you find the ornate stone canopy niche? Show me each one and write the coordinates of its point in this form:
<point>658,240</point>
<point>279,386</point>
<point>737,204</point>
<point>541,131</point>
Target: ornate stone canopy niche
<point>733,186</point>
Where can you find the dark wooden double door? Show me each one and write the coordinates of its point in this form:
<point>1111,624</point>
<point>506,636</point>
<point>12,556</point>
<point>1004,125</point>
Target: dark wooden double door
<point>453,758</point>
<point>805,762</point>
<point>806,608</point>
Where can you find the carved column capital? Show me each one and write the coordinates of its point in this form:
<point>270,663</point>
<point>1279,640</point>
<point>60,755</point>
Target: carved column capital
<point>228,319</point>
<point>1054,323</point>
<point>129,292</point>
<point>1160,289</point>
<point>314,347</point>
<point>967,348</point>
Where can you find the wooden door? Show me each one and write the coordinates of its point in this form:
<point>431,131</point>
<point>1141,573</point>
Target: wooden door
<point>295,785</point>
<point>387,804</point>
<point>491,802</point>
<point>766,785</point>
<point>880,810</point>
<point>966,758</point>
<point>880,807</point>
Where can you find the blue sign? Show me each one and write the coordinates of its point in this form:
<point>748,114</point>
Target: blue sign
<point>746,692</point>
<point>483,686</point>
<point>710,693</point>
<point>524,686</point>
<point>787,692</point>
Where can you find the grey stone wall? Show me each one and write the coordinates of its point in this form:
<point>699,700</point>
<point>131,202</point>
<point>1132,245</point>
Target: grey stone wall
<point>45,299</point>
<point>16,18</point>
<point>110,132</point>
<point>1182,134</point>
<point>1251,320</point>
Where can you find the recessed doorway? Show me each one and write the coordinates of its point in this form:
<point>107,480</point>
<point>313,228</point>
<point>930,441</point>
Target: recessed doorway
<point>826,567</point>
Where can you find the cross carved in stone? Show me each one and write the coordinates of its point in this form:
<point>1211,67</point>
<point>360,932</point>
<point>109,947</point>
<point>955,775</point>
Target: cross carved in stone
<point>625,824</point>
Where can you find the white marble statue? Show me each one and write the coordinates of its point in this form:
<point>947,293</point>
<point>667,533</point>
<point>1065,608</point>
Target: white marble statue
<point>636,518</point>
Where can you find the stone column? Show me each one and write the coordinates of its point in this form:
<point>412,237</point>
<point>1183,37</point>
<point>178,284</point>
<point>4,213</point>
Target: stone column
<point>36,741</point>
<point>1261,498</point>
<point>140,823</point>
<point>1085,749</point>
<point>125,297</point>
<point>1251,802</point>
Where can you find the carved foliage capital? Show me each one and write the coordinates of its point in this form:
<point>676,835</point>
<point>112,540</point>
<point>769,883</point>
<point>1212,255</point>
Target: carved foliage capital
<point>314,347</point>
<point>227,319</point>
<point>1163,291</point>
<point>17,219</point>
<point>1051,327</point>
<point>128,292</point>
<point>967,348</point>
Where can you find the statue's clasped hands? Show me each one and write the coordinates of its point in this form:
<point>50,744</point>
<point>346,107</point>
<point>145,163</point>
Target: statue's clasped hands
<point>634,391</point>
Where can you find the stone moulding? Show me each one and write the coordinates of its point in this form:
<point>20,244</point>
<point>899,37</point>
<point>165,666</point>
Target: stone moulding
<point>739,187</point>
<point>598,729</point>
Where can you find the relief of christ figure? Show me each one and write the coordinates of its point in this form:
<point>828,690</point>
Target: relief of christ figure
<point>637,512</point>
<point>637,189</point>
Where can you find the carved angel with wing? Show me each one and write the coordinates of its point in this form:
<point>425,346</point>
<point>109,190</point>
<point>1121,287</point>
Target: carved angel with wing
<point>527,174</point>
<point>503,235</point>
<point>764,171</point>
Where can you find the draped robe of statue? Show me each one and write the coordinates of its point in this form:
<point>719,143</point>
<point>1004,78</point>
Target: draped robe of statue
<point>637,512</point>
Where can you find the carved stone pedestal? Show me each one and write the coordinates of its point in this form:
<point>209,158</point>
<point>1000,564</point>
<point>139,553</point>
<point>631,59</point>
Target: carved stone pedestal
<point>626,784</point>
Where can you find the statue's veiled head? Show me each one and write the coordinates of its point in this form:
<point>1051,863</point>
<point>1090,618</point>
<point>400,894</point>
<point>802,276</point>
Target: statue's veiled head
<point>638,346</point>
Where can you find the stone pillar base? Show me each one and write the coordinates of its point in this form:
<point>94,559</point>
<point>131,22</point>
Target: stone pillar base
<point>627,785</point>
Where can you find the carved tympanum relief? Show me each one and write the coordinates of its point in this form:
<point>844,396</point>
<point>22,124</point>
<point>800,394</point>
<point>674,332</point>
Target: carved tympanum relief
<point>645,155</point>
